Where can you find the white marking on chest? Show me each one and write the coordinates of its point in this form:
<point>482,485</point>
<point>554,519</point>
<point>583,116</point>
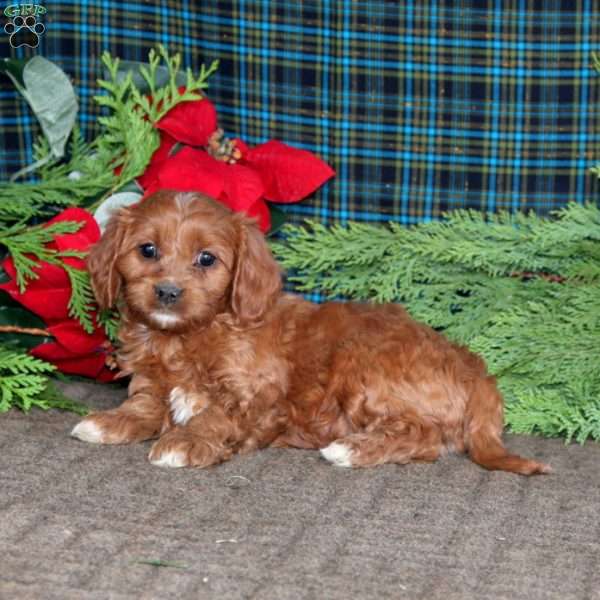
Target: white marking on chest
<point>182,406</point>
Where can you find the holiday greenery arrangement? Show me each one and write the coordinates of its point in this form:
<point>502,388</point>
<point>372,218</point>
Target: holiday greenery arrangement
<point>521,290</point>
<point>159,132</point>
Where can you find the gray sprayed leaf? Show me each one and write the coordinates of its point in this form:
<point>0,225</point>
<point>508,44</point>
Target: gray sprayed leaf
<point>112,204</point>
<point>51,96</point>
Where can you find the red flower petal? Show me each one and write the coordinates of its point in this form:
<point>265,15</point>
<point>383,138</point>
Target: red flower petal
<point>191,170</point>
<point>88,234</point>
<point>79,241</point>
<point>289,174</point>
<point>158,158</point>
<point>48,296</point>
<point>243,192</point>
<point>190,122</point>
<point>242,186</point>
<point>260,211</point>
<point>89,365</point>
<point>51,276</point>
<point>70,334</point>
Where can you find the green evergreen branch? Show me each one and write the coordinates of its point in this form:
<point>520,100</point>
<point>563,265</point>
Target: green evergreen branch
<point>22,379</point>
<point>25,383</point>
<point>161,101</point>
<point>82,302</point>
<point>131,137</point>
<point>27,246</point>
<point>109,320</point>
<point>53,397</point>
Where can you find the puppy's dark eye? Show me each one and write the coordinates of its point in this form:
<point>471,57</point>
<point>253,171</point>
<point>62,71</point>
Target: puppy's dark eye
<point>205,259</point>
<point>149,251</point>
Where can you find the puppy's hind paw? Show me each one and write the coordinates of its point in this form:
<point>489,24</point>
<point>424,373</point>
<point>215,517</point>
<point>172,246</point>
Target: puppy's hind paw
<point>168,459</point>
<point>337,453</point>
<point>177,448</point>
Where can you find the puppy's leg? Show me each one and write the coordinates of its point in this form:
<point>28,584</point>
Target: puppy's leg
<point>139,418</point>
<point>206,439</point>
<point>398,440</point>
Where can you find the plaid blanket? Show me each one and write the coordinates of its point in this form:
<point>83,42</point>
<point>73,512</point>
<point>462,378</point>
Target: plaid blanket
<point>421,107</point>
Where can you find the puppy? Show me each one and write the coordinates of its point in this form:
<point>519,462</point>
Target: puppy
<point>222,362</point>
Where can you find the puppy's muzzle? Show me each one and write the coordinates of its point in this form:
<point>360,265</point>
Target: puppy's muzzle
<point>167,293</point>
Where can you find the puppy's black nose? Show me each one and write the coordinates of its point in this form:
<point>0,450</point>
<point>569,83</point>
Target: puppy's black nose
<point>167,293</point>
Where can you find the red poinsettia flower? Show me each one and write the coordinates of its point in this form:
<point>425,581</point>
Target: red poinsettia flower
<point>272,171</point>
<point>236,186</point>
<point>73,350</point>
<point>288,174</point>
<point>191,122</point>
<point>158,158</point>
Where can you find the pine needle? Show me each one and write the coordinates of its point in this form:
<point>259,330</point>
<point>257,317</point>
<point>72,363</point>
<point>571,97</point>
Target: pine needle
<point>22,379</point>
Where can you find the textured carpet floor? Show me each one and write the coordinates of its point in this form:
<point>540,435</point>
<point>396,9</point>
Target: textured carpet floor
<point>76,519</point>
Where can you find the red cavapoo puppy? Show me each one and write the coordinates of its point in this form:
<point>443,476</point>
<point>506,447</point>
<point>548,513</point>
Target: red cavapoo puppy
<point>222,362</point>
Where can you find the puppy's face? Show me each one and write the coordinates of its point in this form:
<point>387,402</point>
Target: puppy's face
<point>179,259</point>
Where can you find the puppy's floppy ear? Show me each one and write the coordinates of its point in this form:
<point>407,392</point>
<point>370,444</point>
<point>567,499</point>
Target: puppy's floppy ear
<point>257,277</point>
<point>102,259</point>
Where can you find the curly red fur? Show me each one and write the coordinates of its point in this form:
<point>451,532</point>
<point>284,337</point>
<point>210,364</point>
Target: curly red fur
<point>228,363</point>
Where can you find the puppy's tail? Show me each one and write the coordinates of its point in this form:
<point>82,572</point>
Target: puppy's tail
<point>483,433</point>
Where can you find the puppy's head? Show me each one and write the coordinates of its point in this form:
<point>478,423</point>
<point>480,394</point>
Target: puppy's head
<point>179,259</point>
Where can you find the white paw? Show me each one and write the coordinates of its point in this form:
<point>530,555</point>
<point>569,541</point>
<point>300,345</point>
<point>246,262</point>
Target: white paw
<point>338,454</point>
<point>169,459</point>
<point>88,431</point>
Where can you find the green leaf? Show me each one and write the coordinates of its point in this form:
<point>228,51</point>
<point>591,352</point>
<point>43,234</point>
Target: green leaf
<point>13,67</point>
<point>51,96</point>
<point>278,219</point>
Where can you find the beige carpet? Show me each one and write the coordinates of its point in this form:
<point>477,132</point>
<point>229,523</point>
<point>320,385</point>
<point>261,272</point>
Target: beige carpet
<point>76,519</point>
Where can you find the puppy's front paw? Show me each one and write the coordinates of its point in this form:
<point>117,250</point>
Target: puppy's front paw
<point>88,431</point>
<point>114,427</point>
<point>178,448</point>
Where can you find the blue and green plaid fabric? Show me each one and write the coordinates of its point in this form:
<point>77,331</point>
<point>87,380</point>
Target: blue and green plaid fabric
<point>420,107</point>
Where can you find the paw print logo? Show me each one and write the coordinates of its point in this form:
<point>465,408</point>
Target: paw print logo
<point>24,31</point>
